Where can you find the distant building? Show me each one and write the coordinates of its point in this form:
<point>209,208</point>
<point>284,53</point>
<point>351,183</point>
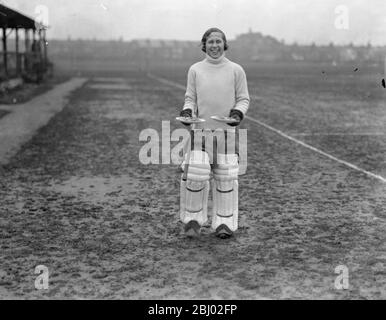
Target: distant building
<point>251,47</point>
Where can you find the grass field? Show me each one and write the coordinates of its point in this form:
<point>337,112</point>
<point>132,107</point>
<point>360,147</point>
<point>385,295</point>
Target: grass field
<point>340,110</point>
<point>107,226</point>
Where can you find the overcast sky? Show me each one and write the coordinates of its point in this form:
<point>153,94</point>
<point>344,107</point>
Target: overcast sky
<point>303,21</point>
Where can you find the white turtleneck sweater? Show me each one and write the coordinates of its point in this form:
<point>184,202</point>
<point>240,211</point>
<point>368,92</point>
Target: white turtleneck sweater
<point>214,87</point>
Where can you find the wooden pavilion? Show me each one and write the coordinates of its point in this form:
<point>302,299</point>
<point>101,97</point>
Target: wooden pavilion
<point>30,64</point>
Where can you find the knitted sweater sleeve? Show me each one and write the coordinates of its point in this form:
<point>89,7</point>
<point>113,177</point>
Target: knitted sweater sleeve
<point>191,94</point>
<point>242,95</point>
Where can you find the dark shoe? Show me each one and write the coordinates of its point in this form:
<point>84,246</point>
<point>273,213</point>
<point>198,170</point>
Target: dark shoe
<point>192,229</point>
<point>223,232</point>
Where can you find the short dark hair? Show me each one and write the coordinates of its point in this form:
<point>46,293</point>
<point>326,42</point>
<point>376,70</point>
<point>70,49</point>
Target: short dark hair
<point>208,33</point>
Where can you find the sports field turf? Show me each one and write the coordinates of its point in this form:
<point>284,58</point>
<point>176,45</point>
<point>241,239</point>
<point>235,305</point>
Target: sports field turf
<point>77,199</point>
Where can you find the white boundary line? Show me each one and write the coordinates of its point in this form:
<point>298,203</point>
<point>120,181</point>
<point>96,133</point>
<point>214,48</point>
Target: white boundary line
<point>305,145</point>
<point>165,81</point>
<point>348,164</point>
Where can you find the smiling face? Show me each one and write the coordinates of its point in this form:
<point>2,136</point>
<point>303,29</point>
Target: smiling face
<point>215,45</point>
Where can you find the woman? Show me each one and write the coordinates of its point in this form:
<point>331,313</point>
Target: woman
<point>216,86</point>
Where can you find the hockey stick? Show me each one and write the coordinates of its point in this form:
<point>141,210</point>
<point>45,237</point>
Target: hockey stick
<point>186,167</point>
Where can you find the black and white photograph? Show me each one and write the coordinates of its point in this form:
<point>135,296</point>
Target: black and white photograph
<point>207,150</point>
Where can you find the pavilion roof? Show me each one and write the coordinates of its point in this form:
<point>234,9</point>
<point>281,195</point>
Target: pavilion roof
<point>10,18</point>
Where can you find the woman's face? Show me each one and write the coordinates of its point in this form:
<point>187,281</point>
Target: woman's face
<point>215,45</point>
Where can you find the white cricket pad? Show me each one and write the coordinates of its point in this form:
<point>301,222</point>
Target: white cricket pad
<point>194,190</point>
<point>225,188</point>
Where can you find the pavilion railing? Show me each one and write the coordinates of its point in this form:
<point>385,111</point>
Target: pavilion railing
<point>29,65</point>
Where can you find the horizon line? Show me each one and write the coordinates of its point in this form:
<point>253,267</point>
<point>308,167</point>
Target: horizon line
<point>286,43</point>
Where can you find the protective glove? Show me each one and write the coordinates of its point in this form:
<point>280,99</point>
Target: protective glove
<point>186,113</point>
<point>236,114</point>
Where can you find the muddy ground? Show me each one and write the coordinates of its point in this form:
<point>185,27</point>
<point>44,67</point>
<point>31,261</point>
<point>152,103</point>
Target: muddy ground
<point>3,113</point>
<point>77,200</point>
